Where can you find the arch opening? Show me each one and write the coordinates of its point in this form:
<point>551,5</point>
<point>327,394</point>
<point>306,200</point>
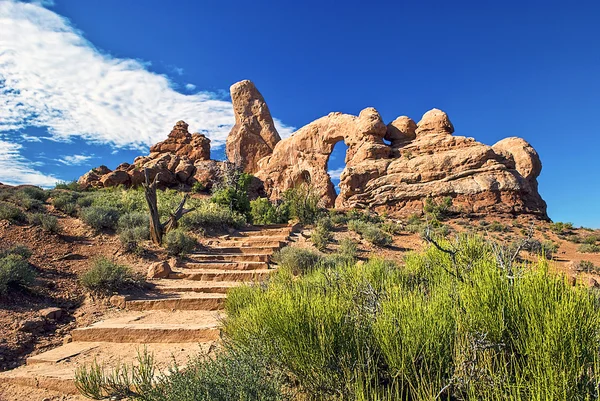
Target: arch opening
<point>336,163</point>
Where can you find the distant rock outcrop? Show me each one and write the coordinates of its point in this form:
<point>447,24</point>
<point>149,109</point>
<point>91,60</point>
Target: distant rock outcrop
<point>181,159</point>
<point>419,161</point>
<point>254,135</point>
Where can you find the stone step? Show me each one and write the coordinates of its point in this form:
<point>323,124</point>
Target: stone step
<point>153,327</point>
<point>229,257</point>
<point>54,370</point>
<point>179,301</point>
<point>266,233</point>
<point>258,238</point>
<point>256,250</point>
<point>238,242</point>
<point>223,275</point>
<point>223,265</point>
<point>215,287</point>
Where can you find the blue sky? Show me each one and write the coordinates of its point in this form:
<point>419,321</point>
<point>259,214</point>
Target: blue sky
<point>84,83</point>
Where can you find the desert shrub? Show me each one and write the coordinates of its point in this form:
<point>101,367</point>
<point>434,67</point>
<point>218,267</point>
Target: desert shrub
<point>297,260</point>
<point>14,271</point>
<point>391,227</point>
<point>212,215</point>
<point>178,242</point>
<point>100,217</point>
<point>321,237</point>
<point>105,277</point>
<point>338,218</point>
<point>68,185</point>
<point>12,213</point>
<point>64,201</point>
<point>370,232</point>
<point>438,210</point>
<point>376,331</point>
<point>588,248</point>
<point>262,211</point>
<point>18,249</point>
<point>233,373</point>
<point>133,228</point>
<point>496,226</point>
<point>546,248</point>
<point>26,199</point>
<point>348,248</point>
<point>364,216</point>
<point>35,193</point>
<point>561,228</point>
<point>586,266</point>
<point>590,239</point>
<point>198,187</point>
<point>303,204</point>
<point>48,222</point>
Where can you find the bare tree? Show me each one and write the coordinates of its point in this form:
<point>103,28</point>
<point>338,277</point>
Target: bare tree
<point>158,229</point>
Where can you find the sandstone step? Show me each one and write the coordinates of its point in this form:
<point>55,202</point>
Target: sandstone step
<point>55,369</point>
<point>224,265</point>
<point>217,287</point>
<point>153,327</point>
<point>269,233</point>
<point>256,250</point>
<point>237,242</point>
<point>179,301</point>
<point>223,275</point>
<point>258,238</point>
<point>229,257</point>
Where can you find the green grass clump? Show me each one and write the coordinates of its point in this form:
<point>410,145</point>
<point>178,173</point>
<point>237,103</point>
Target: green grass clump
<point>10,212</point>
<point>588,248</point>
<point>178,242</point>
<point>370,232</point>
<point>466,327</point>
<point>297,260</point>
<point>133,228</point>
<point>561,228</point>
<point>322,235</point>
<point>48,222</point>
<point>348,248</point>
<point>496,226</point>
<point>65,201</point>
<point>106,277</point>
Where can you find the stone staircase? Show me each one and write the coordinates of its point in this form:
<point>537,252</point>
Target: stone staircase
<point>177,318</point>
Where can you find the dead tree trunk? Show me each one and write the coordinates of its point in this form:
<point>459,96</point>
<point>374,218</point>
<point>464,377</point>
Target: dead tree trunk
<point>158,229</point>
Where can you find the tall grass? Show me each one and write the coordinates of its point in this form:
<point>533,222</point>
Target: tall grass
<point>462,328</point>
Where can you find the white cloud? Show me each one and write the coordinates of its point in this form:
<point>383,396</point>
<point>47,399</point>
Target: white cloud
<point>283,130</point>
<point>16,170</point>
<point>75,160</point>
<point>336,173</point>
<point>190,87</point>
<point>30,138</point>
<point>50,76</point>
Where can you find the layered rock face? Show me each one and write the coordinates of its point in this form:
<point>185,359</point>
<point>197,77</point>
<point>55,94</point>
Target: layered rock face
<point>254,135</point>
<point>182,159</point>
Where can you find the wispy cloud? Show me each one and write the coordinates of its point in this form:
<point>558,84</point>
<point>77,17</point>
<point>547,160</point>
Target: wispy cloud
<point>336,173</point>
<point>75,160</point>
<point>190,87</point>
<point>50,76</point>
<point>16,170</point>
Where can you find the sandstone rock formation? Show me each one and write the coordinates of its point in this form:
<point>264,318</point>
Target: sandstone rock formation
<point>182,159</point>
<point>254,135</point>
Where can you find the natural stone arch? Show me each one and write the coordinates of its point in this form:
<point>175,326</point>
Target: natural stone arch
<point>309,148</point>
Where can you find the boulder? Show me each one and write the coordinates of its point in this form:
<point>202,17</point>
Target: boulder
<point>115,178</point>
<point>51,313</point>
<point>159,270</point>
<point>180,142</point>
<point>401,130</point>
<point>254,135</point>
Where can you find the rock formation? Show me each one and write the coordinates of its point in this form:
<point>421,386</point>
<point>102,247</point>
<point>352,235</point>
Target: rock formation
<point>423,160</point>
<point>254,135</point>
<point>181,159</point>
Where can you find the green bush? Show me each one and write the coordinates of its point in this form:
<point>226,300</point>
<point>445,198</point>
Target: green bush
<point>348,248</point>
<point>440,327</point>
<point>25,200</point>
<point>212,215</point>
<point>321,237</point>
<point>590,239</point>
<point>297,260</point>
<point>198,187</point>
<point>338,218</point>
<point>588,248</point>
<point>497,227</point>
<point>303,204</point>
<point>363,215</point>
<point>14,271</point>
<point>66,202</point>
<point>133,228</point>
<point>178,242</point>
<point>561,228</point>
<point>233,193</point>
<point>100,217</point>
<point>105,277</point>
<point>35,193</point>
<point>438,210</point>
<point>586,266</point>
<point>370,232</point>
<point>233,373</point>
<point>392,227</point>
<point>48,222</point>
<point>11,213</point>
<point>262,211</point>
<point>18,249</point>
<point>70,186</point>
